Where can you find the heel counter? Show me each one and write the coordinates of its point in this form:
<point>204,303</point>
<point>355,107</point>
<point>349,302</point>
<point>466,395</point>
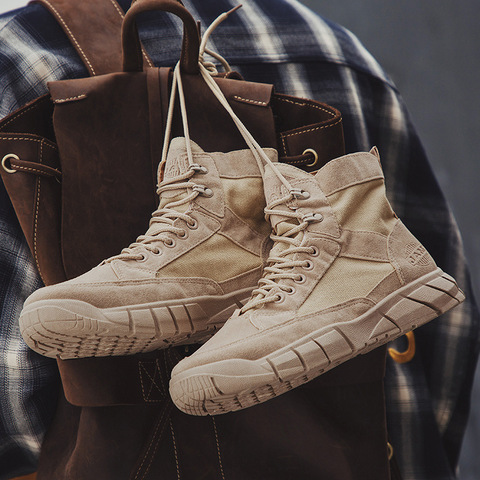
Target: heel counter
<point>408,256</point>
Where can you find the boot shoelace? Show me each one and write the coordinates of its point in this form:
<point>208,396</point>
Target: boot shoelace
<point>282,265</point>
<point>163,219</point>
<point>278,267</point>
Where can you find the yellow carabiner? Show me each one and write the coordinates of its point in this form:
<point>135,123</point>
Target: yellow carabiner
<point>408,354</point>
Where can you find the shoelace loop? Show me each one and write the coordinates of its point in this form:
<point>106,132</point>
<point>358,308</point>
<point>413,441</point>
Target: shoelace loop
<point>198,168</point>
<point>282,266</point>
<point>163,219</point>
<point>299,193</point>
<point>312,217</point>
<point>203,190</point>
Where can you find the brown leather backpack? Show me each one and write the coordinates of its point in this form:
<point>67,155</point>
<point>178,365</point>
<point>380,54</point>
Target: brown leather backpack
<point>72,182</point>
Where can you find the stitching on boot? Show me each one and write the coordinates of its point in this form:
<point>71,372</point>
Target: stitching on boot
<point>395,264</point>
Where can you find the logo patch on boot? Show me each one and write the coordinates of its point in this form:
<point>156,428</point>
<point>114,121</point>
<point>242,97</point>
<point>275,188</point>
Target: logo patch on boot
<point>176,166</point>
<point>416,254</point>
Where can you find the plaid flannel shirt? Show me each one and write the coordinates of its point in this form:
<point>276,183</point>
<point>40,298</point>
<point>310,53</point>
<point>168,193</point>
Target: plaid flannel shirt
<point>284,43</point>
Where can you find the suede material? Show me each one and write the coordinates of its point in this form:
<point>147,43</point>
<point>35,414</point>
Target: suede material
<point>133,292</point>
<point>240,163</point>
<point>364,245</point>
<point>215,204</point>
<point>317,202</point>
<point>384,287</point>
<point>348,170</point>
<point>177,159</point>
<point>409,256</point>
<point>245,280</point>
<point>264,333</point>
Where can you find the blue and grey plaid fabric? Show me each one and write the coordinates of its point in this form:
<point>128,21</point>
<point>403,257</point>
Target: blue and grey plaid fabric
<point>284,43</point>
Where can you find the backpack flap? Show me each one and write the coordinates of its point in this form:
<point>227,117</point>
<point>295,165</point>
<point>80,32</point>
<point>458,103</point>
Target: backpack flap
<point>30,171</point>
<point>109,130</point>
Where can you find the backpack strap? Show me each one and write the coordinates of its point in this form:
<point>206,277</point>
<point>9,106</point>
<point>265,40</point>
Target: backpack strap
<point>94,28</point>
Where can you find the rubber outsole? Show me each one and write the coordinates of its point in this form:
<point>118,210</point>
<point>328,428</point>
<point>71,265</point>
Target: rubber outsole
<point>234,384</point>
<point>74,329</point>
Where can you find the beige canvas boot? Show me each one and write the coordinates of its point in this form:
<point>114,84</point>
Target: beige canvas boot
<point>199,260</point>
<point>344,276</point>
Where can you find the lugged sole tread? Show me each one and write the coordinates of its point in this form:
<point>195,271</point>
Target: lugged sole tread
<point>54,331</point>
<point>321,351</point>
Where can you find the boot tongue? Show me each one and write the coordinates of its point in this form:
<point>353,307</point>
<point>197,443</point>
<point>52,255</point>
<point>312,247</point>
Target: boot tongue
<point>274,190</point>
<point>175,165</point>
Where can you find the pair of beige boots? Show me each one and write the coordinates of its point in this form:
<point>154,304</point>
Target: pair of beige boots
<point>342,276</point>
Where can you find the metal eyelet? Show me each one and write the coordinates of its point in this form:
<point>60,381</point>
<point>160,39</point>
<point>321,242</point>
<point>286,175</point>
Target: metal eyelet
<point>290,290</point>
<point>143,258</point>
<point>280,297</point>
<point>312,217</point>
<point>203,190</point>
<point>315,251</point>
<point>170,244</point>
<point>198,168</point>
<point>300,279</point>
<point>389,450</point>
<point>299,193</point>
<point>4,162</point>
<point>315,156</point>
<point>308,265</point>
<point>183,235</point>
<point>157,251</point>
<point>193,225</point>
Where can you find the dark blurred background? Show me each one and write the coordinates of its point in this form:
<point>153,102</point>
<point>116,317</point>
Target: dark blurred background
<point>431,51</point>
